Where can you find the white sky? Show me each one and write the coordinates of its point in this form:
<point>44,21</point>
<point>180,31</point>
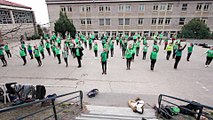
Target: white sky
<point>39,7</point>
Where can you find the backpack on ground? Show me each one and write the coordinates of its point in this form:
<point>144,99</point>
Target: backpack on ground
<point>40,92</point>
<point>92,93</point>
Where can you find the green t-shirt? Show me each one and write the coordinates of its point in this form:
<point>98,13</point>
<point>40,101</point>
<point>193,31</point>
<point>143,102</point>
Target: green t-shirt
<point>23,45</point>
<point>90,41</point>
<point>47,45</point>
<point>77,52</point>
<point>138,44</point>
<point>95,47</point>
<point>1,52</point>
<point>104,56</point>
<point>175,47</point>
<point>36,53</point>
<point>153,55</point>
<point>111,45</point>
<point>156,46</point>
<point>41,48</point>
<point>6,48</point>
<point>57,51</point>
<point>64,54</point>
<point>145,48</point>
<point>22,53</point>
<point>128,53</point>
<point>58,40</point>
<point>29,47</point>
<point>134,48</point>
<point>161,36</point>
<point>135,37</point>
<point>178,53</point>
<point>210,53</point>
<point>190,49</point>
<point>117,38</point>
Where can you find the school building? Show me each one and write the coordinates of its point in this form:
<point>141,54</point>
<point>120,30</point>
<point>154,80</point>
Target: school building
<point>131,16</point>
<point>16,20</point>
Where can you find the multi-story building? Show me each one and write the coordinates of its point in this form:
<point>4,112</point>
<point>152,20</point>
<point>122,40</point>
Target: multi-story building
<point>16,20</point>
<point>131,16</point>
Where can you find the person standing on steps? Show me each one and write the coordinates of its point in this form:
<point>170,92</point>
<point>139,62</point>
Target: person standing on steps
<point>37,55</point>
<point>4,61</point>
<point>153,58</point>
<point>23,55</point>
<point>128,55</point>
<point>145,49</point>
<point>169,49</point>
<point>178,54</point>
<point>30,50</point>
<point>41,50</point>
<point>65,56</point>
<point>190,50</point>
<point>209,57</point>
<point>104,61</point>
<point>79,53</point>
<point>7,50</point>
<point>58,54</point>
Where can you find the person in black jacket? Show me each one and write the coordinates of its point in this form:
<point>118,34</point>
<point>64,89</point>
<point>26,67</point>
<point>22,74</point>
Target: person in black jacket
<point>79,53</point>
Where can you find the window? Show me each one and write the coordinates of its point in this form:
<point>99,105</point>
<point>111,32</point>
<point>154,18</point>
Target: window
<point>107,21</point>
<point>181,21</point>
<point>89,21</point>
<point>199,6</point>
<point>121,8</point>
<point>206,7</point>
<point>155,8</point>
<point>83,22</point>
<point>163,7</point>
<point>22,17</point>
<point>107,8</point>
<point>128,8</point>
<point>154,21</point>
<point>69,9</point>
<point>169,7</point>
<point>5,17</point>
<point>184,7</point>
<point>140,21</point>
<point>120,21</point>
<point>127,21</point>
<point>63,9</point>
<point>160,21</point>
<point>167,21</point>
<point>82,9</point>
<point>101,22</point>
<point>88,8</point>
<point>204,20</point>
<point>101,8</point>
<point>141,7</point>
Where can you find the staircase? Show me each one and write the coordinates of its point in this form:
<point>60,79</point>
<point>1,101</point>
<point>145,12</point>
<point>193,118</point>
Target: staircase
<point>115,113</point>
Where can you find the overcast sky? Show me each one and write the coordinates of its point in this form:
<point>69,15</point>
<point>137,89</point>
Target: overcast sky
<point>39,7</point>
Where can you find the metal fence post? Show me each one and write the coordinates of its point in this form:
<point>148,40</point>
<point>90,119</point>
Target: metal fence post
<point>54,110</point>
<point>81,99</point>
<point>159,101</point>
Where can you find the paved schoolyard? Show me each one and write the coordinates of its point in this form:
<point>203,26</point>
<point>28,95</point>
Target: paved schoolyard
<point>190,81</point>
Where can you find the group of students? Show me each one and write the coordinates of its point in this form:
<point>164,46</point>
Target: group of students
<point>129,45</point>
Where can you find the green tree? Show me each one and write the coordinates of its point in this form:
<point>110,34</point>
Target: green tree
<point>195,29</point>
<point>64,25</point>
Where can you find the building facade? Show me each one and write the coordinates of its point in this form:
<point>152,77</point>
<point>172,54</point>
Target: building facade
<point>16,20</point>
<point>131,16</point>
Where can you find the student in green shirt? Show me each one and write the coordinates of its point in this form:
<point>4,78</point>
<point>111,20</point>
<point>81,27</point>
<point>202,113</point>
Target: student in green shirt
<point>41,49</point>
<point>178,55</point>
<point>24,47</point>
<point>166,43</point>
<point>7,50</point>
<point>145,49</point>
<point>128,55</point>
<point>153,57</point>
<point>30,50</point>
<point>124,47</point>
<point>65,56</point>
<point>160,38</point>
<point>95,48</point>
<point>48,46</point>
<point>4,61</point>
<point>133,50</point>
<point>137,47</point>
<point>23,55</point>
<point>190,49</point>
<point>104,61</point>
<point>90,43</point>
<point>111,47</point>
<point>79,53</point>
<point>175,47</point>
<point>209,57</point>
<point>53,48</point>
<point>117,40</point>
<point>155,46</point>
<point>37,55</point>
<point>58,54</point>
<point>59,41</point>
<point>169,49</point>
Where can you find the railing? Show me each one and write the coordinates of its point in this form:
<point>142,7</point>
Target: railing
<point>168,99</point>
<point>75,96</point>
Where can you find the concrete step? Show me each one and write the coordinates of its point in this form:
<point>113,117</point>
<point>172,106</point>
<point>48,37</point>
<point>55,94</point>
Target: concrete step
<point>115,113</point>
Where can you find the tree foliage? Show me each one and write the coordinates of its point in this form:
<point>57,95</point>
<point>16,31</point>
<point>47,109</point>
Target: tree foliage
<point>195,29</point>
<point>64,25</point>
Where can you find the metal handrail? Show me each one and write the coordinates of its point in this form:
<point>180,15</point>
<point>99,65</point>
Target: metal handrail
<point>201,106</point>
<point>52,106</point>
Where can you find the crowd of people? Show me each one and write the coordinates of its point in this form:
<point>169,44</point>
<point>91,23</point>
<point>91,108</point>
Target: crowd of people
<point>130,47</point>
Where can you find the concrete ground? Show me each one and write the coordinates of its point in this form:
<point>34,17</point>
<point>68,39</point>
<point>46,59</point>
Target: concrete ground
<point>191,81</point>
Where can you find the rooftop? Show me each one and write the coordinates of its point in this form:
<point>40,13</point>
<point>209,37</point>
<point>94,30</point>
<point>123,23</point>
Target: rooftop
<point>8,3</point>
